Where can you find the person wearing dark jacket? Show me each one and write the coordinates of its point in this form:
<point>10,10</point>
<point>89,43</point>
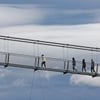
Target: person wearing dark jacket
<point>73,64</point>
<point>83,65</point>
<point>92,66</point>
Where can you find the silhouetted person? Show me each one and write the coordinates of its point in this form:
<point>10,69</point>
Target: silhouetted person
<point>92,66</point>
<point>73,64</point>
<point>43,63</point>
<point>83,65</point>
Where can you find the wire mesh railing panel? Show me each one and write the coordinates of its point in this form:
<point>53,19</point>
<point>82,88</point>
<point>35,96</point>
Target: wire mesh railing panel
<point>2,57</point>
<point>22,60</point>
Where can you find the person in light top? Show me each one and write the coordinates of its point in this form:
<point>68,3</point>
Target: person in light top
<point>43,63</point>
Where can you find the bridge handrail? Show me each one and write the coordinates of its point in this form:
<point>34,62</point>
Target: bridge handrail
<point>50,58</point>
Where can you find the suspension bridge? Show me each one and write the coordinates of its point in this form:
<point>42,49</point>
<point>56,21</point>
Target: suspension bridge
<point>9,59</point>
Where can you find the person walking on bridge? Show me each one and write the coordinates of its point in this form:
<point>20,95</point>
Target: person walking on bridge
<point>43,63</point>
<point>92,66</point>
<point>83,65</point>
<point>74,64</point>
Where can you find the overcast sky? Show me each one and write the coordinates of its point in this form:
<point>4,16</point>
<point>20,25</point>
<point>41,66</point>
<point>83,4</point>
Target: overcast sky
<point>65,21</point>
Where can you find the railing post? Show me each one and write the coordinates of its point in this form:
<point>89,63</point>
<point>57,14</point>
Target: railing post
<point>67,64</point>
<point>35,63</point>
<point>97,69</point>
<point>6,60</point>
<point>64,64</point>
<point>66,70</point>
<point>38,61</point>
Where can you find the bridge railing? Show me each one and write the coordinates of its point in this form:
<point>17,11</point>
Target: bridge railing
<point>35,61</point>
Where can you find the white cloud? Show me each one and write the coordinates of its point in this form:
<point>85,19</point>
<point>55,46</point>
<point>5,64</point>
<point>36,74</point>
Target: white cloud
<point>20,14</point>
<point>80,34</point>
<point>4,73</point>
<point>85,80</point>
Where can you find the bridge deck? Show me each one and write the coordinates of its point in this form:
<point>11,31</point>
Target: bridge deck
<point>64,71</point>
